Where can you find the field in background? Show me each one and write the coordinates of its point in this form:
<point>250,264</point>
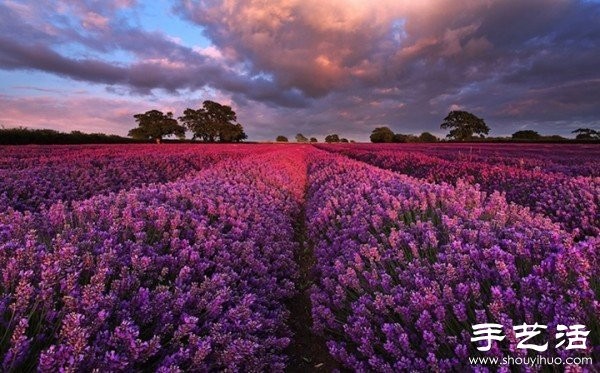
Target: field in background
<point>191,257</point>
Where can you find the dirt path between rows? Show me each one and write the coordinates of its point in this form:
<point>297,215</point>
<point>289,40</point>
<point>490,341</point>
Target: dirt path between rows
<point>307,351</point>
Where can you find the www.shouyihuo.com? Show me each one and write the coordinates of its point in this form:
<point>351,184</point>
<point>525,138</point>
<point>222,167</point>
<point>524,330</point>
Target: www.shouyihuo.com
<point>530,360</point>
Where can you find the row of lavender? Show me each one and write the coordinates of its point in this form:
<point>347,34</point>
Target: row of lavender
<point>32,177</point>
<point>567,159</point>
<point>189,275</point>
<point>406,268</point>
<point>21,157</point>
<point>573,202</point>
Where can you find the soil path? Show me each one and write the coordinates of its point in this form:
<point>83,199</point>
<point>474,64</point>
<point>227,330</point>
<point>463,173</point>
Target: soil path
<point>307,351</point>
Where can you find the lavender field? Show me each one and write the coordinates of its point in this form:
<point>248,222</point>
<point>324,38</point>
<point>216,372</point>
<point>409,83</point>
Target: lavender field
<point>168,258</point>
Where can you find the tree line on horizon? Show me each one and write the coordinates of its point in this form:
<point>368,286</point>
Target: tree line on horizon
<point>465,126</point>
<point>332,138</point>
<point>218,123</point>
<point>24,136</point>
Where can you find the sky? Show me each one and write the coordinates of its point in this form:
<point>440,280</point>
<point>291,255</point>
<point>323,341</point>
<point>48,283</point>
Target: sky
<point>311,66</point>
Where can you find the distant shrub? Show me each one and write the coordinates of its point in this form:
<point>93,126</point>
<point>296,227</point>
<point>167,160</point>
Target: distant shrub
<point>526,135</point>
<point>586,134</point>
<point>399,137</point>
<point>427,137</point>
<point>301,138</point>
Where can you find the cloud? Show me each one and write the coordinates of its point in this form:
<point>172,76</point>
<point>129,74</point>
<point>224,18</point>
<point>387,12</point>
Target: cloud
<point>434,46</point>
<point>339,65</point>
<point>313,46</point>
<point>69,113</point>
<point>576,100</point>
<point>160,62</point>
<point>85,111</point>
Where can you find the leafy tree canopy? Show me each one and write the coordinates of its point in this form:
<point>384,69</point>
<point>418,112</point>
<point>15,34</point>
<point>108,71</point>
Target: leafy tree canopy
<point>382,134</point>
<point>232,133</point>
<point>427,137</point>
<point>463,125</point>
<point>400,137</point>
<point>281,138</point>
<point>332,138</point>
<point>313,139</point>
<point>526,135</point>
<point>154,125</point>
<point>586,134</point>
<point>213,122</point>
<point>301,138</point>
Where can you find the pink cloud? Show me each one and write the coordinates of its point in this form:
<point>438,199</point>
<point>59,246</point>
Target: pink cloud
<point>69,113</point>
<point>82,111</point>
<point>92,20</point>
<point>321,47</point>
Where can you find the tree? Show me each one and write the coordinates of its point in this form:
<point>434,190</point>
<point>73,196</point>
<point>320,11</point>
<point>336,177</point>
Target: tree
<point>399,137</point>
<point>301,138</point>
<point>586,134</point>
<point>281,138</point>
<point>555,138</point>
<point>332,138</point>
<point>382,134</point>
<point>232,133</point>
<point>412,138</point>
<point>199,123</point>
<point>154,125</point>
<point>343,139</point>
<point>313,139</point>
<point>213,122</point>
<point>427,137</point>
<point>463,125</point>
<point>526,135</point>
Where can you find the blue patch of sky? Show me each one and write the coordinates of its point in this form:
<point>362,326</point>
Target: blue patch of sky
<point>78,51</point>
<point>37,83</point>
<point>159,16</point>
<point>469,88</point>
<point>120,55</point>
<point>64,21</point>
<point>190,96</point>
<point>155,16</point>
<point>263,76</point>
<point>399,30</point>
